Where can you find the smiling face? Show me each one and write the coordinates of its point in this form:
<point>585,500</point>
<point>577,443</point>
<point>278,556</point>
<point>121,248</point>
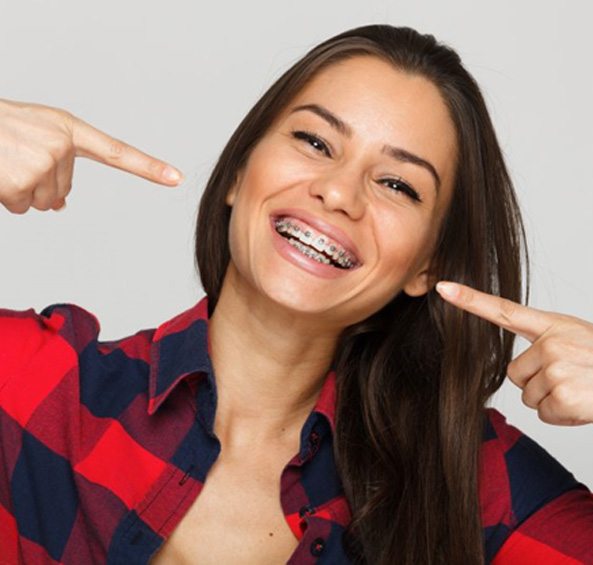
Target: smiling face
<point>361,163</point>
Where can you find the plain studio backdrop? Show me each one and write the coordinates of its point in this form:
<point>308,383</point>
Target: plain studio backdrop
<point>176,78</point>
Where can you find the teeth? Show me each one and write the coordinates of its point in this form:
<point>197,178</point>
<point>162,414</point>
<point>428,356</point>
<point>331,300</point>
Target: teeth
<point>309,252</point>
<point>304,240</point>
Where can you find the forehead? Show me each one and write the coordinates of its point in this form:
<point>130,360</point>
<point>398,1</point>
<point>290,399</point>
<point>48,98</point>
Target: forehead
<point>384,105</point>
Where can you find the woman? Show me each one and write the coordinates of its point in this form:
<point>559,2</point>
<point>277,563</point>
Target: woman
<point>322,362</point>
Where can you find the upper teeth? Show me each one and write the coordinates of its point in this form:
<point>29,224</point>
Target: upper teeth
<point>320,242</point>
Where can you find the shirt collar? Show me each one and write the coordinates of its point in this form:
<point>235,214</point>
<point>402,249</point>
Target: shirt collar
<point>180,347</point>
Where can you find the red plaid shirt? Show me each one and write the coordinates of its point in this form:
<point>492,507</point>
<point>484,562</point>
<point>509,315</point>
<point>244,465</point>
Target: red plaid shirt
<point>105,445</point>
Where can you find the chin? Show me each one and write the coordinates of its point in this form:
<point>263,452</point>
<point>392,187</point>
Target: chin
<point>296,298</point>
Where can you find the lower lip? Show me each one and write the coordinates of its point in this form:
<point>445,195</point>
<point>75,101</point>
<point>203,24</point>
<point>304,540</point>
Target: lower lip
<point>291,254</point>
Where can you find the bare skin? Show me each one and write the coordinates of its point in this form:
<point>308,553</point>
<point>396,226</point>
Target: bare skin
<point>270,350</point>
<point>237,518</point>
<point>38,145</point>
<point>276,324</point>
<point>275,327</point>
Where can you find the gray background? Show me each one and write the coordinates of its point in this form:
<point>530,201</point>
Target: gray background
<point>176,78</point>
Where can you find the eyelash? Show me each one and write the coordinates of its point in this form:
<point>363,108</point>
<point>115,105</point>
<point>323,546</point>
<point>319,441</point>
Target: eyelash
<point>312,138</point>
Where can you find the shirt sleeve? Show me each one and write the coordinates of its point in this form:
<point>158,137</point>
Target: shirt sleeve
<point>39,392</point>
<point>37,351</point>
<point>534,508</point>
<point>560,532</point>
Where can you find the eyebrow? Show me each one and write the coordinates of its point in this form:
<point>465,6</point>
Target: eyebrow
<point>399,154</point>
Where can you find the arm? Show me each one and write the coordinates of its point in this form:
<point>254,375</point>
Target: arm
<point>533,509</point>
<point>559,532</point>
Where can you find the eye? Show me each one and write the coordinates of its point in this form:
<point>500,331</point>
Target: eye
<point>401,186</point>
<point>313,140</point>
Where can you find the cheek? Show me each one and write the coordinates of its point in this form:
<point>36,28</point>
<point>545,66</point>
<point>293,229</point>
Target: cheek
<point>277,165</point>
<point>248,212</point>
<point>402,237</point>
<point>235,240</point>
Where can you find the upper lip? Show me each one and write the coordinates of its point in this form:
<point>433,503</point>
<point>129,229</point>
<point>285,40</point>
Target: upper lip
<point>319,225</point>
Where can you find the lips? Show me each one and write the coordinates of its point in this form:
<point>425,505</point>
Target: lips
<point>321,228</point>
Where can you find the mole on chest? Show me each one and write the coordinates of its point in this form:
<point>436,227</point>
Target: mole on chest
<point>237,518</point>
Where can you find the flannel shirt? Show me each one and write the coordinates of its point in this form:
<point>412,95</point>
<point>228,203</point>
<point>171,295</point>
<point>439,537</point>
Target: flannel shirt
<point>104,445</point>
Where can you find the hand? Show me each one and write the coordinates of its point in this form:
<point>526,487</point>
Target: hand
<point>556,371</point>
<point>38,145</point>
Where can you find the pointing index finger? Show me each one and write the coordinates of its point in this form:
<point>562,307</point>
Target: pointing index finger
<point>527,322</point>
<point>97,145</point>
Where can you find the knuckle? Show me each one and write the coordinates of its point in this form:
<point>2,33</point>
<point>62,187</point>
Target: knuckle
<point>507,309</point>
<point>556,371</point>
<point>548,415</point>
<point>42,204</point>
<point>467,296</point>
<point>41,207</point>
<point>50,112</point>
<point>116,150</point>
<point>551,348</point>
<point>43,198</point>
<point>65,189</point>
<point>526,399</point>
<point>46,164</point>
<point>61,118</point>
<point>511,370</point>
<point>17,206</point>
<point>23,191</point>
<point>17,194</point>
<point>68,120</point>
<point>62,146</point>
<point>16,183</point>
<point>22,209</point>
<point>59,204</point>
<point>563,394</point>
<point>155,168</point>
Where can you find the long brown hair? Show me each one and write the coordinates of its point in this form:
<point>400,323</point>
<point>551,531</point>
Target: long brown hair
<point>413,379</point>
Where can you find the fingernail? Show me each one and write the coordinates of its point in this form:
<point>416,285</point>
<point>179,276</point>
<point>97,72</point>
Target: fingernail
<point>451,290</point>
<point>171,174</point>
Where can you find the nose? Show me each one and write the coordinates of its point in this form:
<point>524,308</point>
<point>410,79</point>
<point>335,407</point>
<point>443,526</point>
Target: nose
<point>340,191</point>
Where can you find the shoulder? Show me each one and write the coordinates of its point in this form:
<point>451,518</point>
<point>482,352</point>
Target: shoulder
<point>517,471</point>
<point>39,352</point>
<point>52,362</point>
<point>517,476</point>
<point>59,330</point>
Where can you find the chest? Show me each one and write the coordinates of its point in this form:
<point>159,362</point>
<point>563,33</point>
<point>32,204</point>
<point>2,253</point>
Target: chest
<point>237,518</point>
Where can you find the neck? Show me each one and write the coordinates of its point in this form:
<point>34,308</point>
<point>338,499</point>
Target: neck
<point>270,365</point>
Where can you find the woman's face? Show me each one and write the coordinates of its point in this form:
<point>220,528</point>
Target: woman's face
<point>337,209</point>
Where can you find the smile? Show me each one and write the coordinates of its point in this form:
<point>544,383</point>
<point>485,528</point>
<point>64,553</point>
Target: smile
<point>313,244</point>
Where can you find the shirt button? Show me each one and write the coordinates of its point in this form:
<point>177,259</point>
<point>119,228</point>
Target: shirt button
<point>317,546</point>
<point>137,538</point>
<point>314,442</point>
<point>307,509</point>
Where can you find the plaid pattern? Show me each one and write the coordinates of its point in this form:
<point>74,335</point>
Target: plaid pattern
<point>105,445</point>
